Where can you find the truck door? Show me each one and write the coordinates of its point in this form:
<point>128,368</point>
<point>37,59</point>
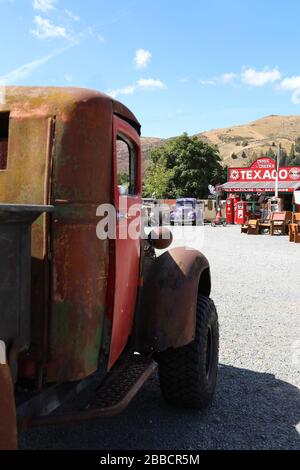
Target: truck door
<point>127,195</point>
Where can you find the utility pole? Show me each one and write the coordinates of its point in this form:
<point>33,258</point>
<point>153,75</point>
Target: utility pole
<point>277,170</point>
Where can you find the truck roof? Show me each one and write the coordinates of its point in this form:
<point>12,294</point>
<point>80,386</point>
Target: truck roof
<point>53,100</point>
<point>186,199</point>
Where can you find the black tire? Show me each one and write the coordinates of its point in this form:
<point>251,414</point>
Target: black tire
<point>188,375</point>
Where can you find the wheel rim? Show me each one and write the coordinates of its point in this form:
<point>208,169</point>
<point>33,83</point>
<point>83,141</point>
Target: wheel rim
<point>209,352</point>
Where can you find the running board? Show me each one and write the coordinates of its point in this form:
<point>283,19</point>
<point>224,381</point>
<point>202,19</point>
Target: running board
<point>110,399</point>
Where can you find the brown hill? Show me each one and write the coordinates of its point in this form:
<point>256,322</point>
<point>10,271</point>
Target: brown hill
<point>256,137</point>
<point>148,143</point>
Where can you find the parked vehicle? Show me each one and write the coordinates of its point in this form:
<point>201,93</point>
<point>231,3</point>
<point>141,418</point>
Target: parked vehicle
<point>102,313</point>
<point>210,209</point>
<point>187,211</point>
<point>155,212</point>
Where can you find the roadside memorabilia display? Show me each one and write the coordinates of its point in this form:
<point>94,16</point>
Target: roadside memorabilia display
<point>275,204</point>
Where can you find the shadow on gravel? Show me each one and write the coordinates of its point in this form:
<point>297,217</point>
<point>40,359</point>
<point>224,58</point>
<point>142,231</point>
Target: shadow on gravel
<point>251,410</point>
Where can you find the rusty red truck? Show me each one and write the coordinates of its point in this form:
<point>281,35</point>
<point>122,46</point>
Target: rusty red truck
<point>78,312</point>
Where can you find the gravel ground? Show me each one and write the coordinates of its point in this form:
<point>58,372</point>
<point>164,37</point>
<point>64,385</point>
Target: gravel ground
<point>256,287</point>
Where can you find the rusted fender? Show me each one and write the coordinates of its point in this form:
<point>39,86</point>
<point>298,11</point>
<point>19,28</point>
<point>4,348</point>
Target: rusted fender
<point>166,316</point>
<point>8,426</point>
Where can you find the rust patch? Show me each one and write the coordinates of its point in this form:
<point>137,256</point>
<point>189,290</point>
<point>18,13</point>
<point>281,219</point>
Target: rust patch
<point>79,283</point>
<point>74,164</point>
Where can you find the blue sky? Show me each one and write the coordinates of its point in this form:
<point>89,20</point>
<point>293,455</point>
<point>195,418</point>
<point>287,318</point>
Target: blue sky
<point>189,65</point>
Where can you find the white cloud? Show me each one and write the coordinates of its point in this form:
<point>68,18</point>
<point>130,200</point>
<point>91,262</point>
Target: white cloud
<point>209,81</point>
<point>128,90</point>
<point>250,76</point>
<point>45,29</point>
<point>151,84</point>
<point>26,70</point>
<point>259,78</point>
<point>142,58</point>
<point>292,84</point>
<point>148,84</point>
<point>224,79</point>
<point>44,5</point>
<point>228,78</point>
<point>71,15</point>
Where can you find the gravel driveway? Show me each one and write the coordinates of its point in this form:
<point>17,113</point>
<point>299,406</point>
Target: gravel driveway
<point>256,287</point>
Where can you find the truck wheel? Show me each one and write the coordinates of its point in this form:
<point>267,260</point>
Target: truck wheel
<point>188,375</point>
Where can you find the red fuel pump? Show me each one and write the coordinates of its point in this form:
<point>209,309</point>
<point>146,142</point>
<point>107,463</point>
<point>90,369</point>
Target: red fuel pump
<point>240,213</point>
<point>236,200</point>
<point>229,210</point>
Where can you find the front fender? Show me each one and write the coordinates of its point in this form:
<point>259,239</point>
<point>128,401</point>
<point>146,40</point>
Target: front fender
<point>166,316</point>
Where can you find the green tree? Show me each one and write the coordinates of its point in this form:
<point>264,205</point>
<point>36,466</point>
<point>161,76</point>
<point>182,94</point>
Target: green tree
<point>223,177</point>
<point>271,153</point>
<point>123,179</point>
<point>252,159</point>
<point>185,166</point>
<point>157,179</point>
<point>292,153</point>
<point>284,158</point>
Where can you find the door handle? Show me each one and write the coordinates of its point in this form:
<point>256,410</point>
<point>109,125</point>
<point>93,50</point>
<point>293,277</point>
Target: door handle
<point>122,216</point>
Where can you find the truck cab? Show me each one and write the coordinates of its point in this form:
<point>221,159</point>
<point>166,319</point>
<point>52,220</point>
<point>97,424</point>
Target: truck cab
<point>98,307</point>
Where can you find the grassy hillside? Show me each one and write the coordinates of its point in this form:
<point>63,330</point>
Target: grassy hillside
<point>255,137</point>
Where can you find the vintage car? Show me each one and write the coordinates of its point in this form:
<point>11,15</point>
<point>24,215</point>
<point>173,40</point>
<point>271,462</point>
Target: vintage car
<point>187,211</point>
<point>156,212</point>
<point>102,312</point>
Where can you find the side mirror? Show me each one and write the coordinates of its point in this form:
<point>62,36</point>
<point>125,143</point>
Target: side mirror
<point>160,238</point>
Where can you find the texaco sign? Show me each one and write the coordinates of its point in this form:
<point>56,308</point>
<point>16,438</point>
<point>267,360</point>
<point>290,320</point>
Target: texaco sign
<point>264,170</point>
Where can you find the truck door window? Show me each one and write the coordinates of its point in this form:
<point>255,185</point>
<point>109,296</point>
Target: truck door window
<point>126,166</point>
<point>4,132</point>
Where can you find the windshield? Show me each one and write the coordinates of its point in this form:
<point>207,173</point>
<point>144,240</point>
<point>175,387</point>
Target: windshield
<point>185,203</point>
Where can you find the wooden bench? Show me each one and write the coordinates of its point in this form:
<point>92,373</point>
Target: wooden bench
<point>294,229</point>
<point>253,227</point>
<point>244,228</point>
<point>264,224</point>
<point>280,222</point>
